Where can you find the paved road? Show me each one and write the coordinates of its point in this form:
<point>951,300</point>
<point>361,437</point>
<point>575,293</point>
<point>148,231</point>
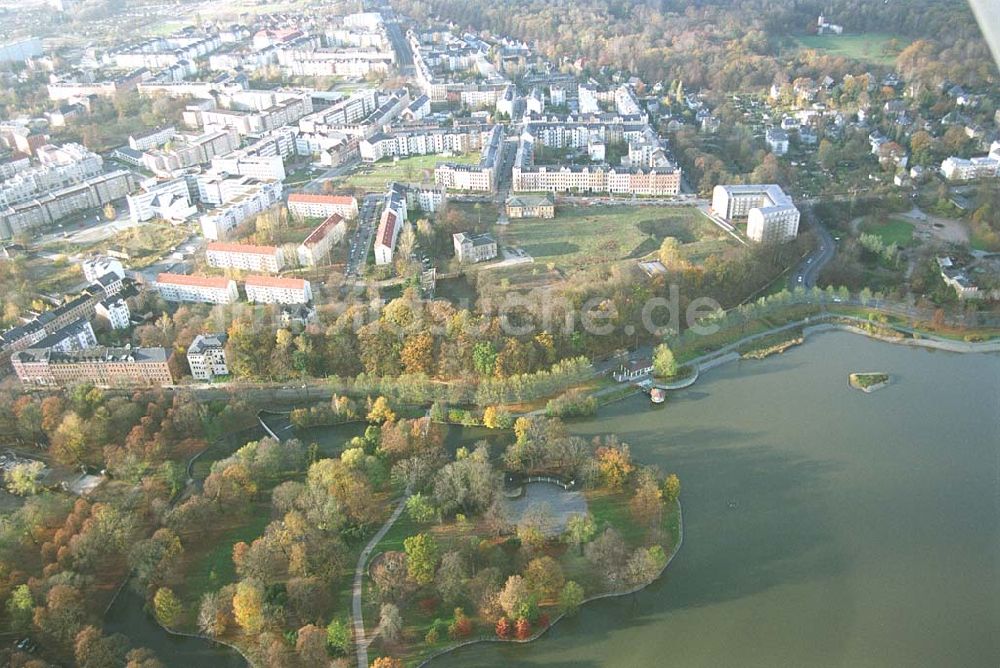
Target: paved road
<point>807,272</point>
<point>316,185</point>
<point>361,240</point>
<point>361,643</point>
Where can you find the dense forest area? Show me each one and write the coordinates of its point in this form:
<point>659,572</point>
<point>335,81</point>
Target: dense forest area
<point>716,45</point>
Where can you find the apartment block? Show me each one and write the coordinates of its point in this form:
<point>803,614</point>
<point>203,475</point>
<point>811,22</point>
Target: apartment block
<point>770,214</point>
<point>245,257</point>
<point>275,290</point>
<point>390,225</point>
<point>199,289</point>
<point>115,311</point>
<point>206,356</point>
<point>106,367</point>
<point>315,249</point>
<point>307,205</point>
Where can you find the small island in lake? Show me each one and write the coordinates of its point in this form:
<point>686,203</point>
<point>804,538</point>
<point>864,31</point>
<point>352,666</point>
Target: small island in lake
<point>869,382</point>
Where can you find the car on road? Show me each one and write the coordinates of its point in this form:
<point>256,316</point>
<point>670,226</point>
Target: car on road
<point>800,279</point>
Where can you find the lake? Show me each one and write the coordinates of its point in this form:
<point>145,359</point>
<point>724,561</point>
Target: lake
<point>823,526</point>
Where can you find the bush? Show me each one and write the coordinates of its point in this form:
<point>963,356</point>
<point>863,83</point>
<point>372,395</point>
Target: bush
<point>574,403</point>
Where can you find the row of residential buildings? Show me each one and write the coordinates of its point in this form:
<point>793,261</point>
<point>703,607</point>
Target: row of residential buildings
<point>220,290</point>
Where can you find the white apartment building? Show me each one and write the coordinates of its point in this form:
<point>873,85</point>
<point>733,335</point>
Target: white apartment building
<point>771,216</point>
<point>153,139</point>
<point>115,311</point>
<point>168,200</point>
<point>315,249</point>
<point>188,151</point>
<point>220,223</point>
<point>275,290</point>
<point>262,167</point>
<point>980,167</point>
<point>60,167</point>
<point>199,289</point>
<point>206,356</point>
<point>307,205</point>
<point>95,267</point>
<point>245,257</point>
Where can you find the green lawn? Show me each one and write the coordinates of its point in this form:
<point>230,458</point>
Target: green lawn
<point>212,568</point>
<point>891,231</point>
<point>874,47</point>
<point>581,236</point>
<point>417,169</point>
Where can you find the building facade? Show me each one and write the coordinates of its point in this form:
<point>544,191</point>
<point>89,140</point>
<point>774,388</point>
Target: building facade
<point>275,290</point>
<point>199,289</point>
<point>206,356</point>
<point>245,257</point>
<point>97,366</point>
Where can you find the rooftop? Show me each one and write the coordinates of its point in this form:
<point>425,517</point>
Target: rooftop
<point>222,247</point>
<point>276,282</point>
<point>195,281</point>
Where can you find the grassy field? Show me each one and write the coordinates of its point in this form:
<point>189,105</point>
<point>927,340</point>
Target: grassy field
<point>891,231</point>
<point>586,236</point>
<point>416,169</point>
<point>871,47</point>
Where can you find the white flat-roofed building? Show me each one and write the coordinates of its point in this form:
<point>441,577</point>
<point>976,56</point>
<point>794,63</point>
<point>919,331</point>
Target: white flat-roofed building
<point>261,167</point>
<point>314,250</point>
<point>199,289</point>
<point>95,267</point>
<point>115,311</point>
<point>980,167</point>
<point>153,139</point>
<point>307,205</point>
<point>169,200</point>
<point>245,257</point>
<point>206,356</point>
<point>258,196</point>
<point>276,290</point>
<point>770,214</point>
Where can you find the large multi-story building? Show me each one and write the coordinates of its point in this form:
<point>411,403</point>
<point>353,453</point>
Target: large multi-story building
<point>527,176</point>
<point>255,197</point>
<point>276,290</point>
<point>979,167</point>
<point>245,257</point>
<point>391,224</point>
<point>201,289</point>
<point>307,205</point>
<point>206,356</point>
<point>115,311</point>
<point>481,177</point>
<point>78,335</point>
<point>61,167</point>
<point>187,151</point>
<point>770,214</point>
<point>167,200</point>
<point>470,248</point>
<point>95,366</point>
<point>315,250</point>
<point>95,267</point>
<point>46,209</point>
<point>429,141</point>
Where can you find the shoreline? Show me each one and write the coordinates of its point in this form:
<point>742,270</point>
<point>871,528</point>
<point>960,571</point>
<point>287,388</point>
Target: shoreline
<point>589,599</point>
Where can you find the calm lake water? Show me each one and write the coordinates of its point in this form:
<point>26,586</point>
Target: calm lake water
<point>823,526</point>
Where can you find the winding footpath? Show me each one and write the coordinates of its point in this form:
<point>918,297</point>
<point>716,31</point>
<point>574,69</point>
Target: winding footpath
<point>360,641</point>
